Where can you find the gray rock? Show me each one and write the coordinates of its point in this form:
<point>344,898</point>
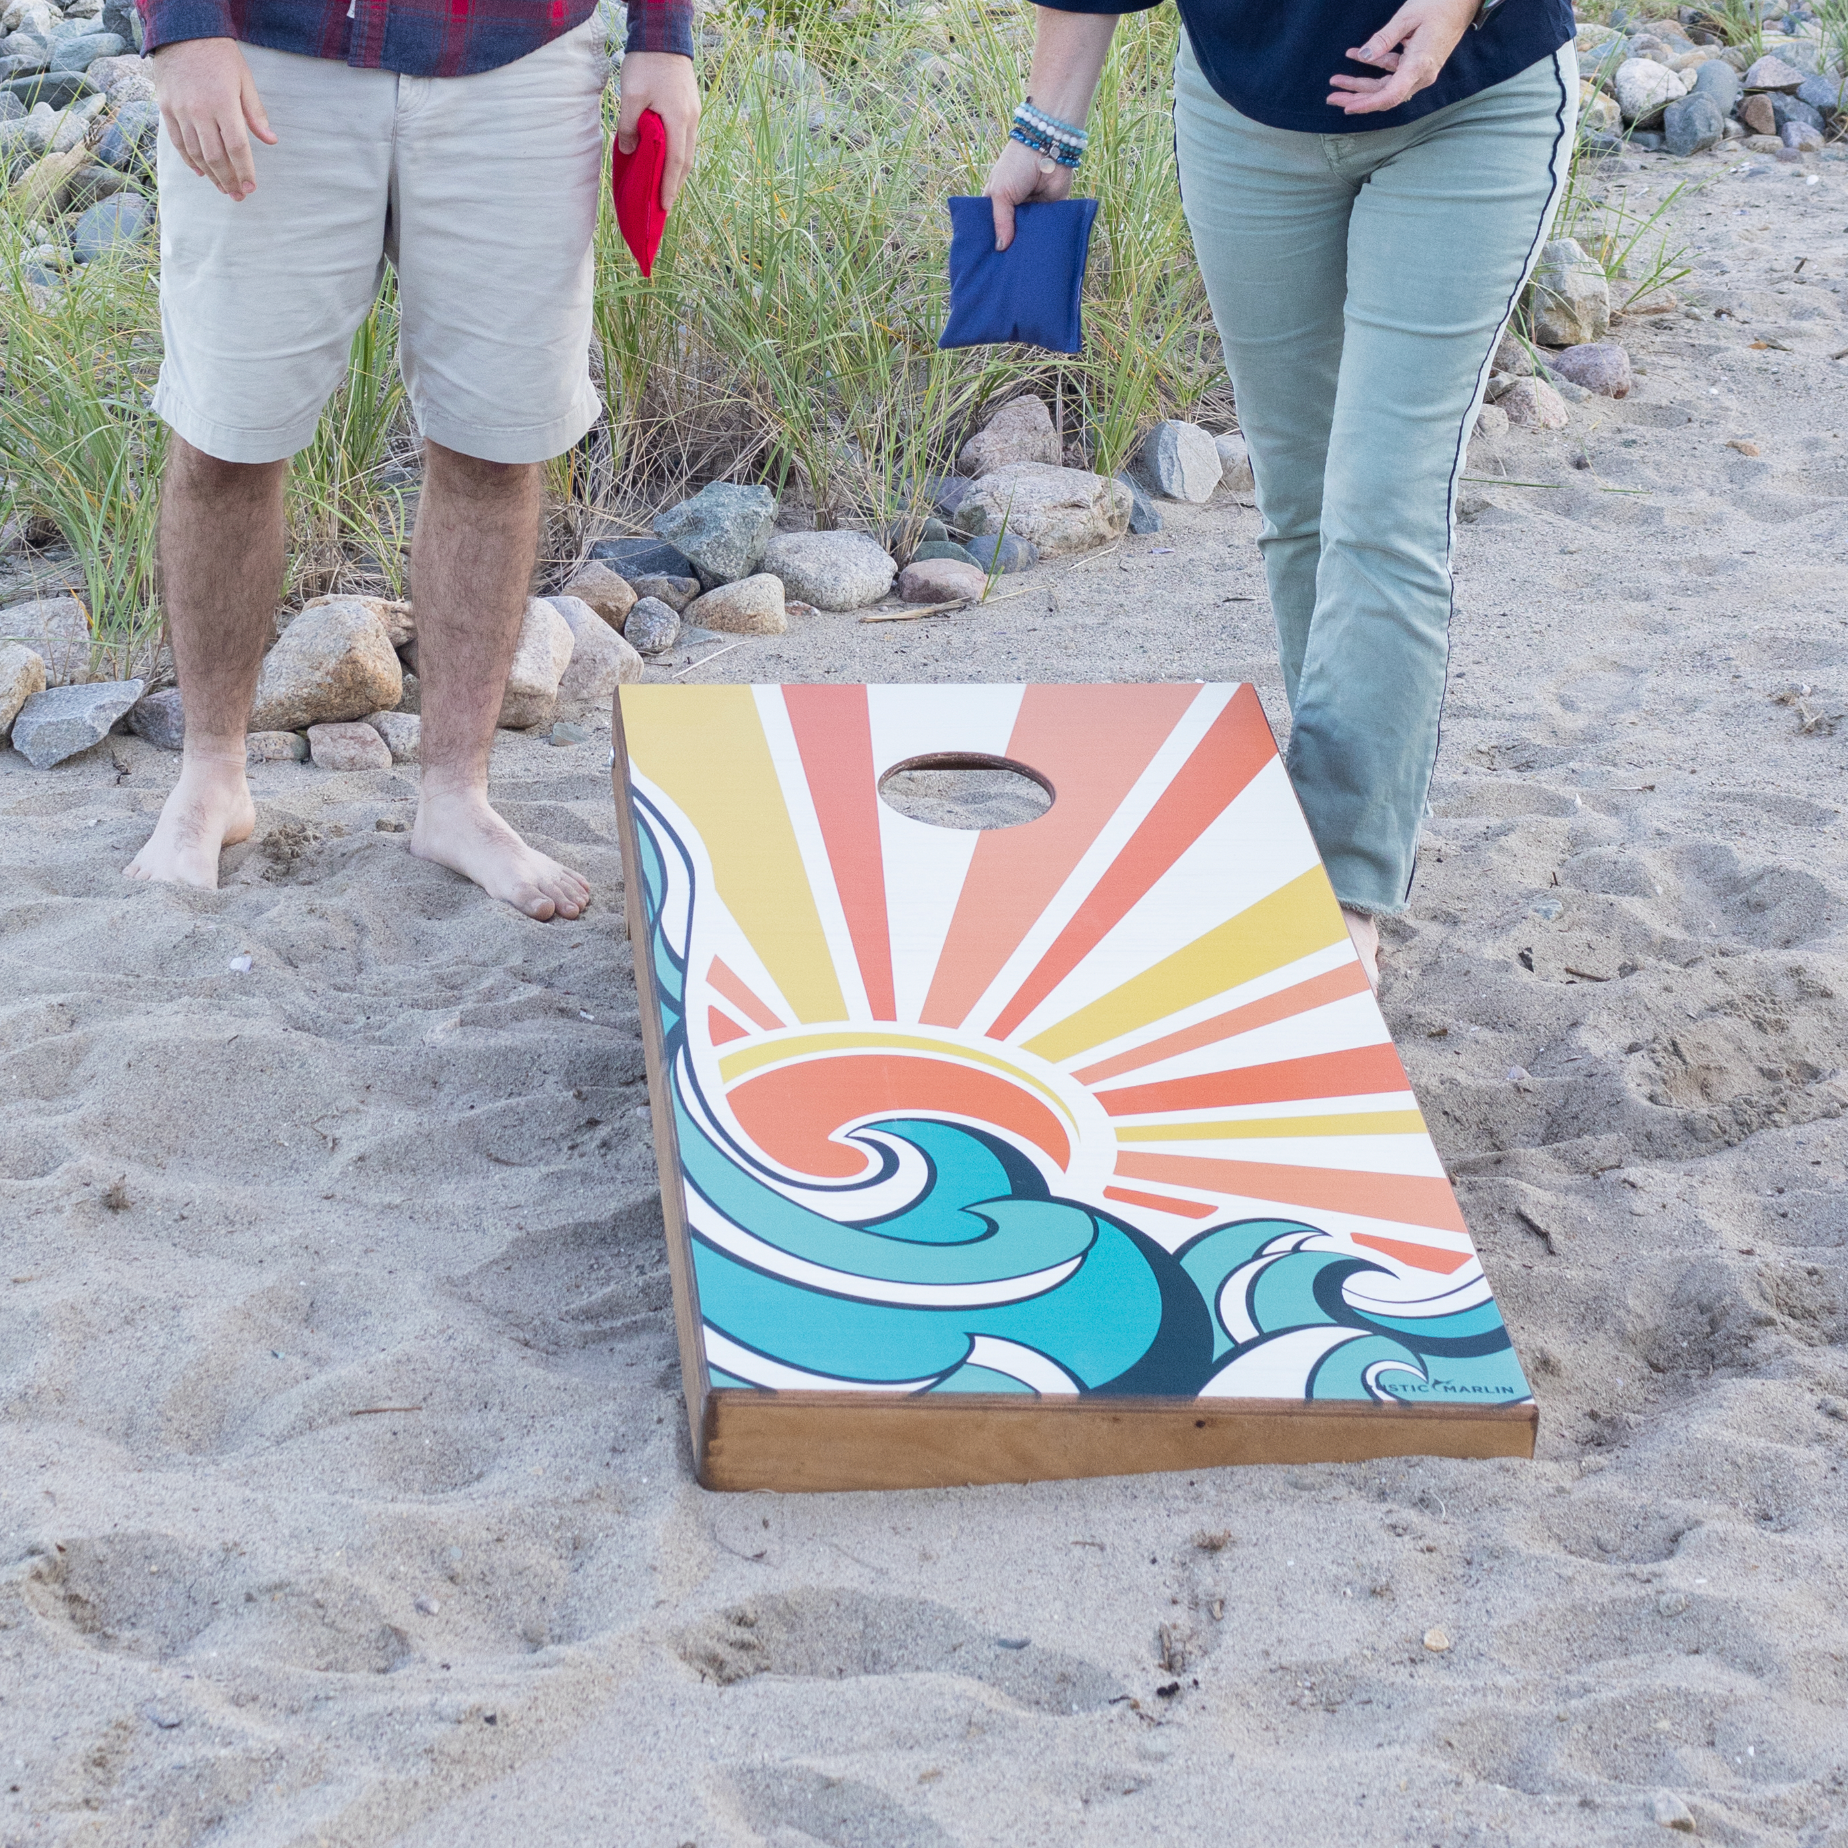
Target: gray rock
<point>334,662</point>
<point>354,746</point>
<point>923,553</point>
<point>93,183</point>
<point>1491,423</point>
<point>722,530</point>
<point>945,493</point>
<point>1602,367</point>
<point>22,674</point>
<point>746,606</point>
<point>1667,1811</point>
<point>1143,517</point>
<point>788,73</point>
<point>111,224</point>
<point>1801,137</point>
<point>540,657</point>
<point>1772,73</point>
<point>640,558</point>
<point>1057,509</point>
<point>11,108</point>
<point>78,54</point>
<point>1235,460</point>
<point>1827,95</point>
<point>675,592</point>
<point>57,630</point>
<point>601,660</point>
<point>1020,431</point>
<point>833,571</point>
<point>1570,296</point>
<point>160,718</point>
<point>58,88</point>
<point>402,732</point>
<point>1178,461</point>
<point>1718,80</point>
<point>1788,109</point>
<point>1017,554</point>
<point>61,721</point>
<point>564,732</point>
<point>653,626</point>
<point>1644,89</point>
<point>128,141</point>
<point>275,747</point>
<point>1692,125</point>
<point>1532,404</point>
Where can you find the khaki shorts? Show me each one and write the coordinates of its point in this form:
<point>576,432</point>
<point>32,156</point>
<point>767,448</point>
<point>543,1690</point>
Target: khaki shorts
<point>481,192</point>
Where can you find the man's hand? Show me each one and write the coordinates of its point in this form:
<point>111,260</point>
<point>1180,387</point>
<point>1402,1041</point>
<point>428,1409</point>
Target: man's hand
<point>1413,45</point>
<point>209,102</point>
<point>1015,178</point>
<point>664,82</point>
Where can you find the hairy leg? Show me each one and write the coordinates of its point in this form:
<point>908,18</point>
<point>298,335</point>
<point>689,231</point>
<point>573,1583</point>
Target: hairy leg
<point>471,563</point>
<point>221,572</point>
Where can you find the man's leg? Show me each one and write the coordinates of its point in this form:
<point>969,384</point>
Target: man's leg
<point>221,571</point>
<point>471,564</point>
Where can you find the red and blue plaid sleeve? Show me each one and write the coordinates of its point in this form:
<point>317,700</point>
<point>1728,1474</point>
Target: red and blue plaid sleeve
<point>166,22</point>
<point>661,25</point>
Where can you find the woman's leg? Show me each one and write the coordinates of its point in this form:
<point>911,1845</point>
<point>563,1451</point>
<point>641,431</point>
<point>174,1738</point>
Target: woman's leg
<point>1443,233</point>
<point>1269,217</point>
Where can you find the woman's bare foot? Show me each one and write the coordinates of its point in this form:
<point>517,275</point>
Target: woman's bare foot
<point>210,809</point>
<point>1366,934</point>
<point>457,829</point>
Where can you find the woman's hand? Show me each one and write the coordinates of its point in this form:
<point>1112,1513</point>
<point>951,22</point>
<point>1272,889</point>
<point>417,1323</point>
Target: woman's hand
<point>1017,177</point>
<point>1413,46</point>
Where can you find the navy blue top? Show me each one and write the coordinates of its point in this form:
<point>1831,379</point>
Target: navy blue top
<point>1272,59</point>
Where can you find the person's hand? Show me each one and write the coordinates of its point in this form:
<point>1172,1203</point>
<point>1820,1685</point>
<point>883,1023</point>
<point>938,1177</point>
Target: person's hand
<point>1015,178</point>
<point>664,82</point>
<point>1412,46</point>
<point>209,103</point>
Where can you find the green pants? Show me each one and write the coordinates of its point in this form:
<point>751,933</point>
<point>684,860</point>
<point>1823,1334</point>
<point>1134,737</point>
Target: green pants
<point>1360,283</point>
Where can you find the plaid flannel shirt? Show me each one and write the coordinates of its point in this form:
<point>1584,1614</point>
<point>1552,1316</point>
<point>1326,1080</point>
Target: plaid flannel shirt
<point>419,38</point>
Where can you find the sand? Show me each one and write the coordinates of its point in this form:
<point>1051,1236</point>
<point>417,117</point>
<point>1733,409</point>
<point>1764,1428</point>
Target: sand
<point>344,1482</point>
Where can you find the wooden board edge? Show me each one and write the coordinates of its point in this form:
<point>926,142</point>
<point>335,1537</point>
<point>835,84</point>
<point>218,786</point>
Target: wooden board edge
<point>694,1379</point>
<point>808,1442</point>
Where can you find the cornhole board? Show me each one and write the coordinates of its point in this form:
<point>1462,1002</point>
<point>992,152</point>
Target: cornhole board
<point>1072,1148</point>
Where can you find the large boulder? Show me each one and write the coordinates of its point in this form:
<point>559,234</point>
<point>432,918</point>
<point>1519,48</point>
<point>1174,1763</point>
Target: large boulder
<point>752,606</point>
<point>1570,296</point>
<point>400,623</point>
<point>601,660</point>
<point>57,630</point>
<point>1056,509</point>
<point>61,721</point>
<point>334,662</point>
<point>722,530</point>
<point>833,571</point>
<point>22,673</point>
<point>1179,461</point>
<point>540,658</point>
<point>1020,431</point>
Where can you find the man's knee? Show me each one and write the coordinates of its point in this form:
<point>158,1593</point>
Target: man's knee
<point>472,475</point>
<point>192,470</point>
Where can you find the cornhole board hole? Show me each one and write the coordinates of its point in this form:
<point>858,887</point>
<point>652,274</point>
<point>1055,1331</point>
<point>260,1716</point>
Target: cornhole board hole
<point>1077,1147</point>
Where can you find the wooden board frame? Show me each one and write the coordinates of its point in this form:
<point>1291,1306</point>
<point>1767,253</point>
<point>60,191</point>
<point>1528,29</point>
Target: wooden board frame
<point>745,1437</point>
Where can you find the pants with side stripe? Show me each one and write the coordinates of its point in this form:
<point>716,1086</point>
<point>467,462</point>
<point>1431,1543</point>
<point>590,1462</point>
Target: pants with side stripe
<point>1360,283</point>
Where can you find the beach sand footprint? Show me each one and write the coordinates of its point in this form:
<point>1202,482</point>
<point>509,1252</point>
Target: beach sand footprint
<point>833,1635</point>
<point>795,1807</point>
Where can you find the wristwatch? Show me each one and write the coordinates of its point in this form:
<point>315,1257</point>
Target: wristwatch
<point>1485,9</point>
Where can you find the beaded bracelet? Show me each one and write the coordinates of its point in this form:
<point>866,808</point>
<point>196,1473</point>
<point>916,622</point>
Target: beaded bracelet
<point>1047,136</point>
<point>1045,148</point>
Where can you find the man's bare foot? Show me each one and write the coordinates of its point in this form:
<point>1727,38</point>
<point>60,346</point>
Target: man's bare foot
<point>210,809</point>
<point>458,829</point>
<point>1366,934</point>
